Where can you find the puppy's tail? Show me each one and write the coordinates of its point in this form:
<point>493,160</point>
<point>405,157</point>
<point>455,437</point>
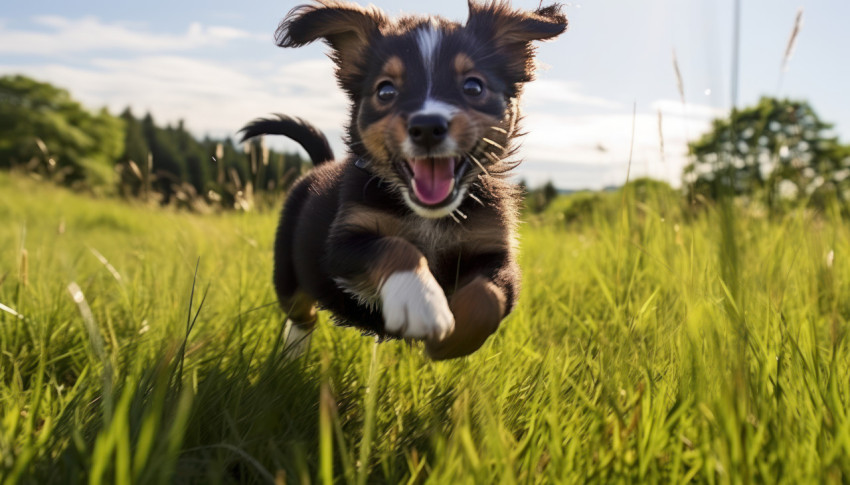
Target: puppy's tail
<point>303,133</point>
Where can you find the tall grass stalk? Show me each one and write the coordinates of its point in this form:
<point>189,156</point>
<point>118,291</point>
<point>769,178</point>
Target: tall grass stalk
<point>629,358</point>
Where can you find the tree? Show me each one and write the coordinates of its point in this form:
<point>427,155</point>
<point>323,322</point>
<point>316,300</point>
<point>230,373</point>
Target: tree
<point>775,149</point>
<point>168,167</point>
<point>135,147</point>
<point>135,176</point>
<point>43,130</point>
<point>41,125</point>
<point>195,158</point>
<point>539,199</point>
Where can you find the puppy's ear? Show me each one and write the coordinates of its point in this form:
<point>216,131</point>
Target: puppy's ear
<point>512,31</point>
<point>345,27</point>
<point>516,26</point>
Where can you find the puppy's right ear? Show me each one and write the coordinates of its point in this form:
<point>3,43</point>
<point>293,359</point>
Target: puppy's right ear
<point>346,27</point>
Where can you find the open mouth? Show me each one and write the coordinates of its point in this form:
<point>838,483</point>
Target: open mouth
<point>434,180</point>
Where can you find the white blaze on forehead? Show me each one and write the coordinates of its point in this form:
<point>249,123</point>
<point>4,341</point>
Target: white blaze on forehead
<point>428,39</point>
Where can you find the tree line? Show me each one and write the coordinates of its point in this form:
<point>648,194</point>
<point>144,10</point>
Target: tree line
<point>45,132</point>
<point>776,153</point>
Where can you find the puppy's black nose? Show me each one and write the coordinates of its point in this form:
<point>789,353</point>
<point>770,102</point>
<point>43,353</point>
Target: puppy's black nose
<point>427,130</point>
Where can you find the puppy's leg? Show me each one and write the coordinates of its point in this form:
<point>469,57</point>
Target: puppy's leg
<point>300,323</point>
<point>391,272</point>
<point>479,306</point>
<point>300,309</point>
<point>414,305</point>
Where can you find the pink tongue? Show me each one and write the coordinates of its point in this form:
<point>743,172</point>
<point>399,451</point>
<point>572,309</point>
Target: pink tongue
<point>433,179</point>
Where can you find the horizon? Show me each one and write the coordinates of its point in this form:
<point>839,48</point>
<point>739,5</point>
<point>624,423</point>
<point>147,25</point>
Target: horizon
<point>218,68</point>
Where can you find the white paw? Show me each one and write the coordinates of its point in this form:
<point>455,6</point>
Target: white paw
<point>415,306</point>
<point>297,340</point>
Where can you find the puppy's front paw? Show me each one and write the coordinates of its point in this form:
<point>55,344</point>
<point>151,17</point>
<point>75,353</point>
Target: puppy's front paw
<point>415,306</point>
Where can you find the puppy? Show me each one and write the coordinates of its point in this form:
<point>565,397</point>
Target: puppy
<point>412,235</point>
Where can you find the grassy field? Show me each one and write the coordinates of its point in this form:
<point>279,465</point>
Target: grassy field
<point>650,345</point>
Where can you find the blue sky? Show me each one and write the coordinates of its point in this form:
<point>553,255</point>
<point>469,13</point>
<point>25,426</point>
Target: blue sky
<point>214,64</point>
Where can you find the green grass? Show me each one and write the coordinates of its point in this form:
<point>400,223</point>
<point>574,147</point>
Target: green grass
<point>650,345</point>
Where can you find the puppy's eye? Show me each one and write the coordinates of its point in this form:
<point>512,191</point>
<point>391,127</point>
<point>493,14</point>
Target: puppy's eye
<point>473,87</point>
<point>386,91</point>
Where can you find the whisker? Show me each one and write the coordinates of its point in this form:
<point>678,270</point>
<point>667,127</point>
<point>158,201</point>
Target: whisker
<point>476,199</point>
<point>480,165</point>
<point>366,186</point>
<point>461,213</point>
<point>492,157</point>
<point>499,129</point>
<point>487,140</point>
<point>453,217</point>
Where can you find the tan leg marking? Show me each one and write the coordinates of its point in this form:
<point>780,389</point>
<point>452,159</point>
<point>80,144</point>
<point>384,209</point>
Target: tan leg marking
<point>301,310</point>
<point>478,307</point>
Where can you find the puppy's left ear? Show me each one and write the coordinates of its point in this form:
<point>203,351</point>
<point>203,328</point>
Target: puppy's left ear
<point>507,26</point>
<point>346,27</point>
<point>545,23</point>
<point>512,31</point>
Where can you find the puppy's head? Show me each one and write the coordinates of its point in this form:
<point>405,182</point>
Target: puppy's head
<point>434,103</point>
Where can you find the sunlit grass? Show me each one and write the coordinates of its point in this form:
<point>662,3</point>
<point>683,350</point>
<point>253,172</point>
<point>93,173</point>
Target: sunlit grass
<point>632,357</point>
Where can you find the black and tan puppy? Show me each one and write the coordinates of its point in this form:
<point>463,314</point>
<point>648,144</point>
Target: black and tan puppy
<point>413,234</point>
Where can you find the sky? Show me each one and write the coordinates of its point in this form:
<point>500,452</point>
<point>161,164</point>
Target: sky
<point>214,65</point>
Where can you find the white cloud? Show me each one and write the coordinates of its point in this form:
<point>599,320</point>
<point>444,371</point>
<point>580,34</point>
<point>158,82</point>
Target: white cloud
<point>89,34</point>
<point>592,150</point>
<point>695,111</point>
<point>551,93</point>
<point>144,72</point>
<point>597,147</point>
<point>213,98</point>
<point>218,97</point>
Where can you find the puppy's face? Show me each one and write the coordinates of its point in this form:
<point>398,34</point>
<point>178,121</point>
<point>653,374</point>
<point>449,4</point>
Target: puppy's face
<point>434,103</point>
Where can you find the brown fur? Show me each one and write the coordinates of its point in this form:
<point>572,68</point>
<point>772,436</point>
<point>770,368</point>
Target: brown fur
<point>394,68</point>
<point>375,136</point>
<point>463,64</point>
<point>348,226</point>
